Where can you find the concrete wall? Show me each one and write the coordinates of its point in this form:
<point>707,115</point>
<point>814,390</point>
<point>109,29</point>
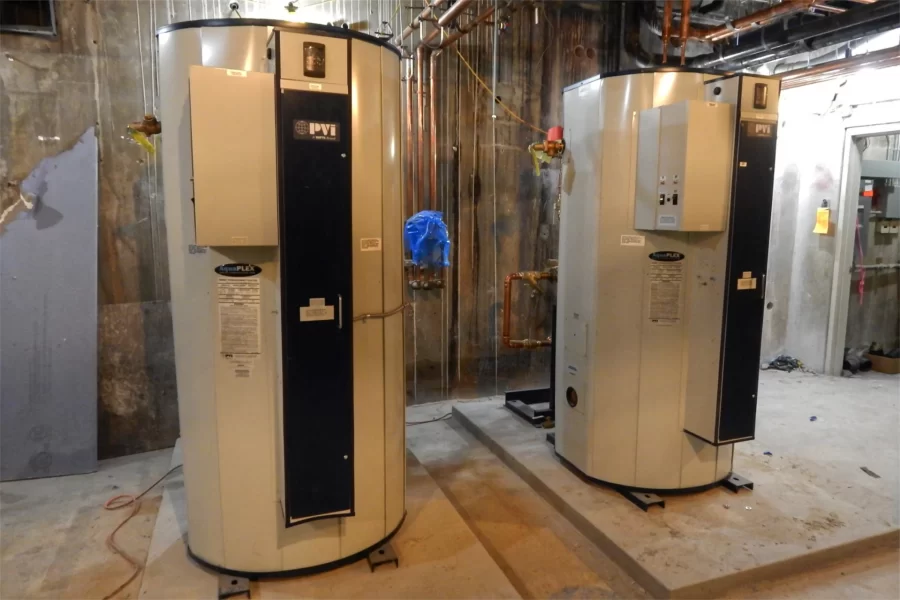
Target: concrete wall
<point>813,120</point>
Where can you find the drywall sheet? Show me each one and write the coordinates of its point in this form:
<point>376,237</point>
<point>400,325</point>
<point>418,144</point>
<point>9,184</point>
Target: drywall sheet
<point>48,319</point>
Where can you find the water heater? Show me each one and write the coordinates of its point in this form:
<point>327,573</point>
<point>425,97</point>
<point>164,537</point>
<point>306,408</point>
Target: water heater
<point>663,248</point>
<point>282,176</point>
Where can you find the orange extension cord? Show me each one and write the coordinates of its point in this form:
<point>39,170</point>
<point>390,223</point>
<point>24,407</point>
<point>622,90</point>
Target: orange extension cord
<point>122,501</point>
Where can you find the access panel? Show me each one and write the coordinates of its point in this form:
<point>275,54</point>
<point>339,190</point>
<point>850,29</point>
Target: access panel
<point>316,275</point>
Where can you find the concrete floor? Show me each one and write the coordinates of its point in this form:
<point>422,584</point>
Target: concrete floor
<point>475,528</point>
<point>812,503</point>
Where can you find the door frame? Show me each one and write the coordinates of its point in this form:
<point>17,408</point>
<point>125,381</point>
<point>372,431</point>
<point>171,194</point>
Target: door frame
<point>845,237</point>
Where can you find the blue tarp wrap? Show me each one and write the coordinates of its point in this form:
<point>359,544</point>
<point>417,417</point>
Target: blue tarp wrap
<point>426,237</point>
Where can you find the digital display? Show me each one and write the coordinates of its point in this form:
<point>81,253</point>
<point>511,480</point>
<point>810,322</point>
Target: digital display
<point>314,59</point>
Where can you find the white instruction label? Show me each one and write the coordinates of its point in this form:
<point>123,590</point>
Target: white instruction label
<point>631,240</point>
<point>665,291</point>
<point>370,244</point>
<point>239,321</point>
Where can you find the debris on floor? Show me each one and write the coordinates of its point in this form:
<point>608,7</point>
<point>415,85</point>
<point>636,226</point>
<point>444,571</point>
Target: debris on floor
<point>814,418</point>
<point>767,453</point>
<point>870,472</point>
<point>785,363</point>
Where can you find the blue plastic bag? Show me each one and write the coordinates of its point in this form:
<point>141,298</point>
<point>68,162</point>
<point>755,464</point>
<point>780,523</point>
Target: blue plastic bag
<point>425,235</point>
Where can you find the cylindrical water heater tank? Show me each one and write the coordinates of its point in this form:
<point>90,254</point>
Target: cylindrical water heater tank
<point>282,178</point>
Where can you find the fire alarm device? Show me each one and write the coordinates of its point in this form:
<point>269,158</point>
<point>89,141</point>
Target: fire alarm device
<point>314,59</point>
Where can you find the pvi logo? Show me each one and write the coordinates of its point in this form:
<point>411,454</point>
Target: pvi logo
<point>317,130</point>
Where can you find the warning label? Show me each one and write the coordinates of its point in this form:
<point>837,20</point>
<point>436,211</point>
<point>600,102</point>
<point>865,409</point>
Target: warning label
<point>665,291</point>
<point>239,318</point>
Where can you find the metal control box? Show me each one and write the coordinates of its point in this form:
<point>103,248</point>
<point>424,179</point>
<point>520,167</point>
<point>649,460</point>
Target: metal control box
<point>684,159</point>
<point>235,195</point>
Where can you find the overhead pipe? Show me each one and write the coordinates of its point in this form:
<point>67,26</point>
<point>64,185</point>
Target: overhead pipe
<point>767,43</point>
<point>666,31</point>
<point>685,26</point>
<point>838,68</point>
<point>425,15</point>
<point>466,29</point>
<point>453,12</point>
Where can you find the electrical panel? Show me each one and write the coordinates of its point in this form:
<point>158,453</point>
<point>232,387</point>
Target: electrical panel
<point>684,166</point>
<point>235,194</point>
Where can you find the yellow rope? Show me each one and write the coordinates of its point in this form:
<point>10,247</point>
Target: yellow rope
<point>488,90</point>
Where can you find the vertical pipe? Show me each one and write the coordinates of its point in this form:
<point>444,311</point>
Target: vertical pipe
<point>421,55</point>
<point>494,60</point>
<point>685,26</point>
<point>495,333</point>
<point>410,141</point>
<point>432,130</point>
<point>666,30</point>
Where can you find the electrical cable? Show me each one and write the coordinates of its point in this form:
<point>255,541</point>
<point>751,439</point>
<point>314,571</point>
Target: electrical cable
<point>497,100</point>
<point>121,501</point>
<point>435,420</point>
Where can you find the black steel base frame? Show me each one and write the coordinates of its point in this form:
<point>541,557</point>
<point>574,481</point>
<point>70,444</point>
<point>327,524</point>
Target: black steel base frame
<point>522,403</point>
<point>644,498</point>
<point>253,576</point>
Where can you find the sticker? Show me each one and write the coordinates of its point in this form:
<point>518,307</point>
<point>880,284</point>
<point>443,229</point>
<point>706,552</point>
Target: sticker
<point>315,86</point>
<point>747,274</point>
<point>666,275</point>
<point>746,284</point>
<point>631,240</point>
<point>370,244</point>
<point>317,311</point>
<point>666,256</point>
<point>235,73</point>
<point>743,163</point>
<point>667,221</point>
<point>238,270</point>
<point>239,319</point>
<point>241,364</point>
<point>572,369</point>
<point>317,130</point>
<point>192,249</point>
<point>239,240</point>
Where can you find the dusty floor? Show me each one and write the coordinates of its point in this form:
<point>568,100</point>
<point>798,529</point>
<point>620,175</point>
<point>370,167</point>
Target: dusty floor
<point>812,503</point>
<point>475,528</point>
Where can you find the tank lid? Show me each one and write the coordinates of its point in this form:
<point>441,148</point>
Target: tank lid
<point>660,69</point>
<point>316,28</point>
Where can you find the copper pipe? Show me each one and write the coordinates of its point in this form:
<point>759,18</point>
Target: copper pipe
<point>532,277</point>
<point>410,150</point>
<point>432,130</point>
<point>453,12</point>
<point>421,55</point>
<point>425,15</point>
<point>685,27</point>
<point>752,20</point>
<point>666,30</point>
<point>466,29</point>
